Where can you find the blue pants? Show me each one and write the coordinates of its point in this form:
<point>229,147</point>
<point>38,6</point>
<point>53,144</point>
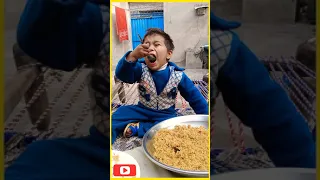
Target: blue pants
<point>314,134</point>
<point>137,113</point>
<point>85,158</point>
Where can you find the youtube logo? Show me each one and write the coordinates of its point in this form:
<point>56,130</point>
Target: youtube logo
<point>124,170</point>
<point>123,165</point>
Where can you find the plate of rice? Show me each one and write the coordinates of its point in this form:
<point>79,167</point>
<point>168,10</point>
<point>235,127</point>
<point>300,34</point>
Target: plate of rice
<point>180,145</point>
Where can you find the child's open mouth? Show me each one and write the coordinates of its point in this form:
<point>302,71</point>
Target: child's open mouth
<point>152,59</point>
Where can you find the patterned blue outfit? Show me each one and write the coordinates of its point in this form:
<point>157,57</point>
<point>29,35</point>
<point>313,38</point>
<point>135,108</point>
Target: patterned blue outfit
<point>157,95</point>
<point>63,34</point>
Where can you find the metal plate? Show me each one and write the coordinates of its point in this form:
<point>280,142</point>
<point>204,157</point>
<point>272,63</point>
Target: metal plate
<point>194,121</point>
<point>271,173</point>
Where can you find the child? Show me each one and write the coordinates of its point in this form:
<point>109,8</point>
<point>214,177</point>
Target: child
<point>65,33</point>
<point>159,83</point>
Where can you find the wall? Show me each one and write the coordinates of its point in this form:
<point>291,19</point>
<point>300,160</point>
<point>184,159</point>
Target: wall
<point>269,11</point>
<point>119,49</point>
<point>180,22</point>
<point>256,11</point>
<point>136,6</point>
<point>13,10</point>
<point>228,9</point>
<point>187,30</point>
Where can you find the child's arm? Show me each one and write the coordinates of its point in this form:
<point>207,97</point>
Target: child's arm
<point>128,71</point>
<point>191,94</point>
<point>60,33</point>
<point>263,105</point>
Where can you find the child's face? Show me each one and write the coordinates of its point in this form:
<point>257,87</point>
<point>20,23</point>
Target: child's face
<point>159,50</point>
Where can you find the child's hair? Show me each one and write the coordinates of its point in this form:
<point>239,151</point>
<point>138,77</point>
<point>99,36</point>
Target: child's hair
<point>167,39</point>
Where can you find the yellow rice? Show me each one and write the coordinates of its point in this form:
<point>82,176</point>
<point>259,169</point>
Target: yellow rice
<point>183,147</point>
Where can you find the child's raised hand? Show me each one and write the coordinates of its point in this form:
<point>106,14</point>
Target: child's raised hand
<point>139,52</point>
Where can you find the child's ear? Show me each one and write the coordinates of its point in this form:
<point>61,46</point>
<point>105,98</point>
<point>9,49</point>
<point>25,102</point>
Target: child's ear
<point>169,55</point>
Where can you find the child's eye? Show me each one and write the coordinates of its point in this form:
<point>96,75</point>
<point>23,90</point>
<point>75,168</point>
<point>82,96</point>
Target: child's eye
<point>157,44</point>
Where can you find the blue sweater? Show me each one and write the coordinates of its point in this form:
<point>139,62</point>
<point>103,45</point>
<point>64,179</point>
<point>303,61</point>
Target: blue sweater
<point>131,72</point>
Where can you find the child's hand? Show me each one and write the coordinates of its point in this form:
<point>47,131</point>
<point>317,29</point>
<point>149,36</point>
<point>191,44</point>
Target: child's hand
<point>139,52</point>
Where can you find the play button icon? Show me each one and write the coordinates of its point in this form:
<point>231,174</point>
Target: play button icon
<point>124,170</point>
<point>124,165</point>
